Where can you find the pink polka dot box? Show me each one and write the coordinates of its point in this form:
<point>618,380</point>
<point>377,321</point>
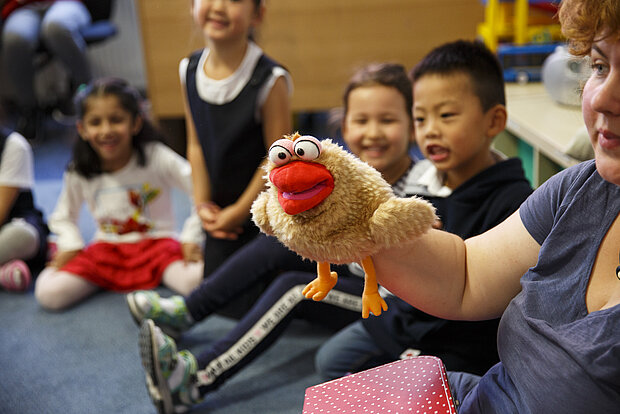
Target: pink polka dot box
<point>413,385</point>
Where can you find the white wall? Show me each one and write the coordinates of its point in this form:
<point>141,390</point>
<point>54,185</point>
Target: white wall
<point>122,56</point>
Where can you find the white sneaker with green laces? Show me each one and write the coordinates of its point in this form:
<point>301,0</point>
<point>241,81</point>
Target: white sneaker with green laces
<point>170,314</point>
<point>170,375</point>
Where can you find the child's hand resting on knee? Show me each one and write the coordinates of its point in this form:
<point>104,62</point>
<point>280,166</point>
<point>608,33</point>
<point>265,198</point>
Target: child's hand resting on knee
<point>191,252</point>
<point>62,257</point>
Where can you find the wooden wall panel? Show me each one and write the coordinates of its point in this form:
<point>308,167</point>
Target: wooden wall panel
<point>321,42</point>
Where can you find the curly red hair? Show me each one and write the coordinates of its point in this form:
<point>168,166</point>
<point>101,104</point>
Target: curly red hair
<point>585,22</point>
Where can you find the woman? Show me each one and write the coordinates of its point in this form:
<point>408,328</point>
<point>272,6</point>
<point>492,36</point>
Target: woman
<point>549,269</point>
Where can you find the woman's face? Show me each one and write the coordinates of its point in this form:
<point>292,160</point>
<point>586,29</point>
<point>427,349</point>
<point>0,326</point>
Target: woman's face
<point>601,107</point>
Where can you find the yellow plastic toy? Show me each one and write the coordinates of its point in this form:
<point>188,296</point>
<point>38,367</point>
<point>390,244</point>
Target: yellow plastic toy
<point>519,22</point>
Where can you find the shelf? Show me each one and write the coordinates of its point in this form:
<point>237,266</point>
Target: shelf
<point>544,125</point>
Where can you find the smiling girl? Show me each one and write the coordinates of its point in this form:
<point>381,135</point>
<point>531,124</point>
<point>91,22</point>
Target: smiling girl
<point>125,177</point>
<point>236,105</point>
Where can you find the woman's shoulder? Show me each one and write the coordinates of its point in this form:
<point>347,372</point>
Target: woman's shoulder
<point>557,195</point>
<point>571,180</point>
<point>583,169</point>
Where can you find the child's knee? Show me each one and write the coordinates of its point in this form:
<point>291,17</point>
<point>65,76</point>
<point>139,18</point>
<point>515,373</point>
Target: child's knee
<point>55,33</point>
<point>13,43</point>
<point>323,363</point>
<point>183,277</point>
<point>49,294</point>
<point>18,240</point>
<point>194,275</point>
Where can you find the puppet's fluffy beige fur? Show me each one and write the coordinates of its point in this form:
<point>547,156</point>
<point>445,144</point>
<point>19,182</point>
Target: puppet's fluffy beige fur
<point>360,216</point>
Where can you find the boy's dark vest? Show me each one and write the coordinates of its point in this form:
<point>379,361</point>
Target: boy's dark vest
<point>231,139</point>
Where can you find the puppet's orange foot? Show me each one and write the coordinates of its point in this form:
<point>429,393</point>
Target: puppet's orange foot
<point>320,287</point>
<point>374,303</point>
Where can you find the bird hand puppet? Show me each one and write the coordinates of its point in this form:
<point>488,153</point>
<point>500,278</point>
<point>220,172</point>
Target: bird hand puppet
<point>329,206</point>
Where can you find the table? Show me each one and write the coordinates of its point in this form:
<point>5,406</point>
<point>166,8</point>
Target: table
<point>540,126</point>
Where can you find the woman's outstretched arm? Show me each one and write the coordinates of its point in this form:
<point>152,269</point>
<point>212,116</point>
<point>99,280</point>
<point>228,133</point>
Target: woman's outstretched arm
<point>443,275</point>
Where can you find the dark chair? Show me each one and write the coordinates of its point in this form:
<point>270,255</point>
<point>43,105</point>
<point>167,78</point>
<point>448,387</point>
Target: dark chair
<point>100,29</point>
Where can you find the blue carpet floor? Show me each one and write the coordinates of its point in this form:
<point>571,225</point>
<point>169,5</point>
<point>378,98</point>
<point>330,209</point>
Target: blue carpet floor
<point>86,360</point>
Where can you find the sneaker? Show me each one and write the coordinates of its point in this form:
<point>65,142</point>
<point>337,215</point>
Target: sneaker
<point>170,314</point>
<point>170,375</point>
<point>15,276</point>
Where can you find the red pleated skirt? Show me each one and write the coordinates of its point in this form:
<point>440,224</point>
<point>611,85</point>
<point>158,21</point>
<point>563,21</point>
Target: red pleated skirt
<point>125,266</point>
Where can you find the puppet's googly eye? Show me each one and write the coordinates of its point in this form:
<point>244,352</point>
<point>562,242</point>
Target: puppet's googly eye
<point>307,148</point>
<point>281,151</point>
<point>279,155</point>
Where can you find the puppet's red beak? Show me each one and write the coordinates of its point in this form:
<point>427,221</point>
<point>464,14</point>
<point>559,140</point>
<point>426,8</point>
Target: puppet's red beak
<point>301,185</point>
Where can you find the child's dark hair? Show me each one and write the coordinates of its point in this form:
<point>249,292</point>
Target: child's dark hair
<point>472,58</point>
<point>392,75</point>
<point>85,160</point>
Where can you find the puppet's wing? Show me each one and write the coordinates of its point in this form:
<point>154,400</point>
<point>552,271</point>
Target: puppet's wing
<point>259,213</point>
<point>400,219</point>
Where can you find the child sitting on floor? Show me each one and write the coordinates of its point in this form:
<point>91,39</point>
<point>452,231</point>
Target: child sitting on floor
<point>23,232</point>
<point>126,179</point>
<point>459,107</point>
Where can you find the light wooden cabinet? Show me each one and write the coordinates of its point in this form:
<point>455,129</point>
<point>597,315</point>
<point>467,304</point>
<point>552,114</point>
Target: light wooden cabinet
<point>321,42</point>
<point>539,131</point>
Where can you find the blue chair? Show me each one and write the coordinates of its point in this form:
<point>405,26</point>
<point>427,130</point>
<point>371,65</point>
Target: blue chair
<point>102,28</point>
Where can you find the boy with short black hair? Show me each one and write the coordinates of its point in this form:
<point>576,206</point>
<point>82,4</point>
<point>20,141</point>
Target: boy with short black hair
<point>459,107</point>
